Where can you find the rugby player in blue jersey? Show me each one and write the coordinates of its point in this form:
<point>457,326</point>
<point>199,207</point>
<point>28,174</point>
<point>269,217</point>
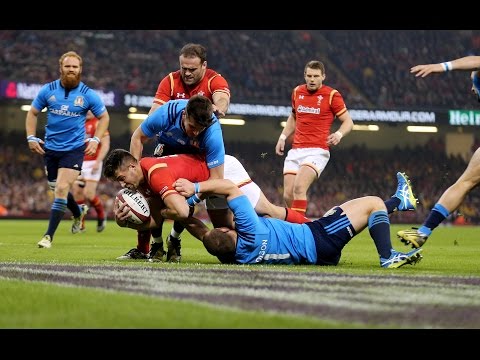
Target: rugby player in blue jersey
<point>67,101</point>
<point>260,240</point>
<point>181,127</point>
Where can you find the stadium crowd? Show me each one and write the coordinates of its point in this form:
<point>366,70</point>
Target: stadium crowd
<point>369,67</point>
<point>349,175</point>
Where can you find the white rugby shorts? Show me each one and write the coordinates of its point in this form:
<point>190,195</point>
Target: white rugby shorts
<point>87,173</point>
<point>235,172</point>
<point>316,158</point>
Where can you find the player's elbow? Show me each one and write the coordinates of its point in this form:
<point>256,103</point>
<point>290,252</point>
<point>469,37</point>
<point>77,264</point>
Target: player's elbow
<point>183,212</point>
<point>177,213</point>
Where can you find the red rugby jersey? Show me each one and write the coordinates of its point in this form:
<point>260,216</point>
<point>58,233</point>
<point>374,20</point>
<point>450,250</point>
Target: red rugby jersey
<point>172,87</point>
<point>315,113</point>
<point>90,128</point>
<point>162,172</point>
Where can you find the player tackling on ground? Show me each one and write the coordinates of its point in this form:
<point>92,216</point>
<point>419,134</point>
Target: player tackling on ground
<point>260,240</point>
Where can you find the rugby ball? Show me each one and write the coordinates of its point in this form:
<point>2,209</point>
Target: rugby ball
<point>139,208</point>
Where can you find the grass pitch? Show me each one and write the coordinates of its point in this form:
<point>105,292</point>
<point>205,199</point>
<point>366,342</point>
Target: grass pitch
<point>79,284</point>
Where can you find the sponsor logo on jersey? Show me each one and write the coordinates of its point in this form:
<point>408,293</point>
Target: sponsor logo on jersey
<point>308,109</point>
<point>65,112</point>
<point>163,190</point>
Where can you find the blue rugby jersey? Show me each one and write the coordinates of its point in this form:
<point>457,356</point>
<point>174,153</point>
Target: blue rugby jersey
<point>66,113</point>
<point>269,240</point>
<point>166,121</point>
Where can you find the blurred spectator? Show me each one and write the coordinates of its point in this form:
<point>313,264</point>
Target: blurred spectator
<point>348,176</point>
<point>260,65</point>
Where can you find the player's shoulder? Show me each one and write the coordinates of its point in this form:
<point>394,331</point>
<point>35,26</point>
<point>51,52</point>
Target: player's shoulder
<point>302,88</point>
<point>171,107</point>
<point>148,162</point>
<point>213,127</point>
<point>85,89</point>
<point>327,89</point>
<point>175,75</point>
<point>210,73</point>
<point>51,86</point>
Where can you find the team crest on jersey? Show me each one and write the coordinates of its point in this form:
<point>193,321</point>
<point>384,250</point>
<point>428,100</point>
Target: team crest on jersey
<point>79,101</point>
<point>319,99</point>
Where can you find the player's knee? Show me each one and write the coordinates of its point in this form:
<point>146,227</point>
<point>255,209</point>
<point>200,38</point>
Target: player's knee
<point>376,202</point>
<point>61,189</point>
<point>90,195</point>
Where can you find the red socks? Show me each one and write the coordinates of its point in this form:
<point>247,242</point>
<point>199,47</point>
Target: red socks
<point>300,206</point>
<point>295,217</point>
<point>97,204</point>
<point>143,241</point>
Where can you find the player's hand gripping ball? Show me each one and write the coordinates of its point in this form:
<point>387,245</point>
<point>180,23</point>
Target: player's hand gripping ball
<point>139,208</point>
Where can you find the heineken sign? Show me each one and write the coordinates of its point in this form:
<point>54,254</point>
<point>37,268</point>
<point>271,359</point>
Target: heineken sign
<point>464,117</point>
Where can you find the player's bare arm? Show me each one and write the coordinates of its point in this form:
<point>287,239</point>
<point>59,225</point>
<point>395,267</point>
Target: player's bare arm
<point>105,142</point>
<point>221,102</point>
<point>345,128</point>
<point>286,132</point>
<point>34,143</point>
<point>217,172</point>
<point>103,123</point>
<point>196,227</point>
<point>464,63</point>
<point>154,107</point>
<point>214,186</point>
<point>176,208</point>
<point>136,143</point>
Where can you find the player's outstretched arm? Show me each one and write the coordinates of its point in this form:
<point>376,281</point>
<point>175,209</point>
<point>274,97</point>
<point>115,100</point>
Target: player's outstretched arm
<point>196,227</point>
<point>464,63</point>
<point>215,186</point>
<point>136,143</point>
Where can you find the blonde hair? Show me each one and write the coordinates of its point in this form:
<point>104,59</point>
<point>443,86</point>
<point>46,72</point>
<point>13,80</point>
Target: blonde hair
<point>68,54</point>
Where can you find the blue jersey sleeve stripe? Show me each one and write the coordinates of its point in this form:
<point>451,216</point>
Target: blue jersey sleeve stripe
<point>172,110</point>
<point>84,89</point>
